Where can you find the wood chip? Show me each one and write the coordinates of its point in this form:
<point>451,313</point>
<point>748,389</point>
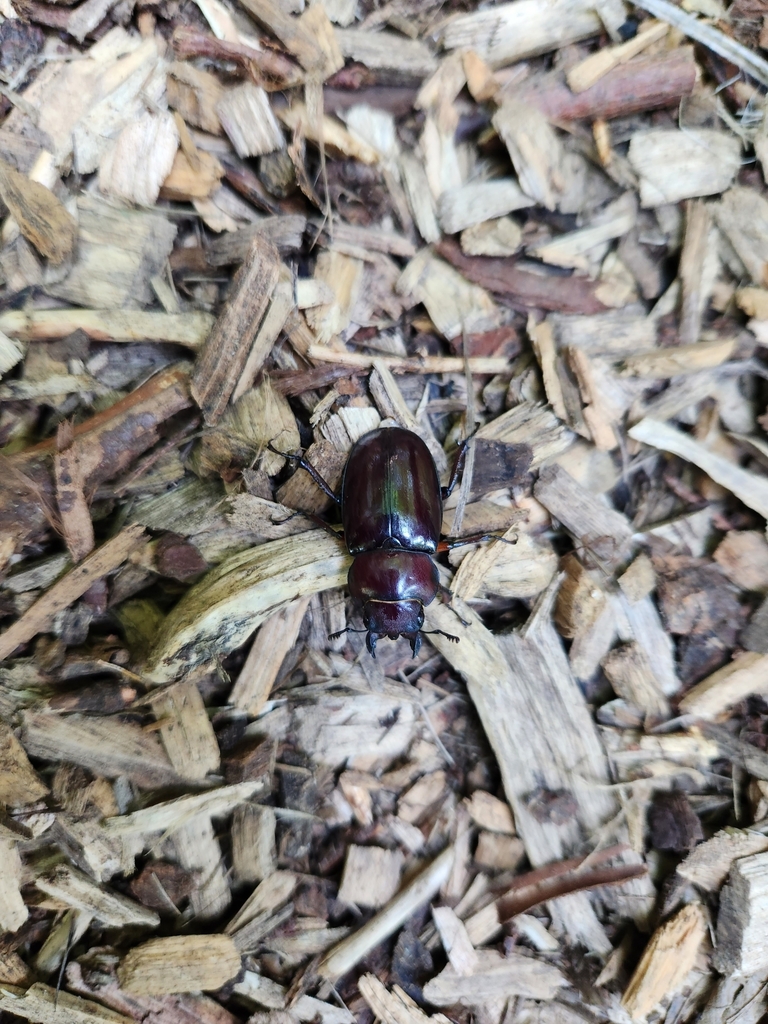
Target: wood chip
<point>667,959</point>
<point>180,963</point>
<point>371,876</point>
<point>514,31</point>
<point>674,165</point>
<point>76,890</point>
<point>495,978</point>
<point>104,560</point>
<point>747,487</point>
<point>42,218</point>
<point>226,351</point>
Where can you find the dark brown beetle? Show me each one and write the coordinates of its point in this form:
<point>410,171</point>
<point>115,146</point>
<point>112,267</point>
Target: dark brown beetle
<point>391,510</point>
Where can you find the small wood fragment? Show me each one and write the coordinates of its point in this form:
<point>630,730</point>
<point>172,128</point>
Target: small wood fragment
<point>140,159</point>
<point>455,940</point>
<point>741,942</point>
<point>667,959</point>
<point>495,977</point>
<point>727,686</point>
<point>185,730</point>
<point>743,557</point>
<point>675,165</point>
<point>592,68</point>
<point>13,910</point>
<point>43,1004</point>
<point>534,149</point>
<point>19,782</point>
<point>468,205</point>
<point>709,864</point>
<point>371,876</point>
<point>420,890</point>
<point>513,31</point>
<point>639,580</point>
<point>629,673</point>
<point>247,118</point>
<point>747,487</point>
<point>254,855</point>
<point>104,560</point>
<point>78,891</point>
<point>180,963</point>
<point>42,218</point>
<point>190,329</point>
<point>222,358</point>
<point>490,813</point>
<point>605,532</point>
<point>275,638</point>
<point>107,746</point>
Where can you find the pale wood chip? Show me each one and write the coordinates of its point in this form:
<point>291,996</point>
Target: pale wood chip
<point>180,963</point>
<point>668,957</point>
<point>371,876</point>
<point>42,218</point>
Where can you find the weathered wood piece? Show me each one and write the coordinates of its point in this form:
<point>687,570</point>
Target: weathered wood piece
<point>222,358</point>
<point>371,876</point>
<point>119,251</point>
<point>516,713</point>
<point>645,83</point>
<point>42,218</point>
<point>746,486</point>
<point>19,782</point>
<point>667,959</point>
<point>513,31</point>
<point>179,963</point>
<point>185,730</point>
<point>189,329</point>
<point>107,746</point>
<point>220,612</point>
<point>709,864</point>
<point>275,638</point>
<point>745,675</point>
<point>420,890</point>
<point>104,560</point>
<point>741,940</point>
<point>43,1004</point>
<point>605,533</point>
<point>674,165</point>
<point>78,891</point>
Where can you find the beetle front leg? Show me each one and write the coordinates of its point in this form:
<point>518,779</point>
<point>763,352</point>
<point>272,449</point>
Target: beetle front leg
<point>303,464</point>
<point>445,596</point>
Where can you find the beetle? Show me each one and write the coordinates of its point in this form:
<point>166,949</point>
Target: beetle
<point>391,510</point>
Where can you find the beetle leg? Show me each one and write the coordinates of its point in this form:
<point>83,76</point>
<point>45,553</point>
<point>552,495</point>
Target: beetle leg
<point>441,632</point>
<point>446,597</point>
<point>303,464</point>
<point>341,632</point>
<point>448,544</point>
<point>456,471</point>
<point>317,520</point>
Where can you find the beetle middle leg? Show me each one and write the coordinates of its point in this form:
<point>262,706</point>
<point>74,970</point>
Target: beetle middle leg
<point>304,464</point>
<point>317,520</point>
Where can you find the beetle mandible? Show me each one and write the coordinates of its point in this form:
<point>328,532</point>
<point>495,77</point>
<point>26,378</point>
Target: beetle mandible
<point>391,511</point>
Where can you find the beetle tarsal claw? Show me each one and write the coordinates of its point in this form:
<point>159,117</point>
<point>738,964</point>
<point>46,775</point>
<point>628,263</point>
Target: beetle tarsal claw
<point>440,632</point>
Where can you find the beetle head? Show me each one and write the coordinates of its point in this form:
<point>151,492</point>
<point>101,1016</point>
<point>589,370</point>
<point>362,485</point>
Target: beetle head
<point>393,619</point>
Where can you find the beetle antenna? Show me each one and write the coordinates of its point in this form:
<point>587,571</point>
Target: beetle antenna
<point>441,632</point>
